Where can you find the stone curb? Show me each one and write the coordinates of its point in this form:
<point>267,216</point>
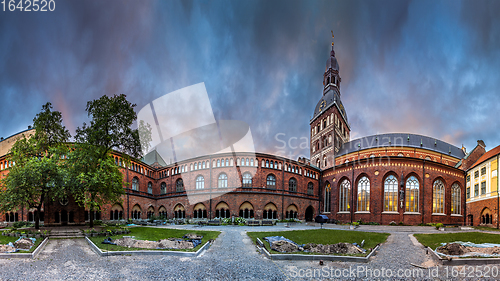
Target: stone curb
<point>462,261</point>
<point>264,251</point>
<point>26,255</point>
<point>140,253</point>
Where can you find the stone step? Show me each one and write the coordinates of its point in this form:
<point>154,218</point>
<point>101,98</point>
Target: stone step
<point>66,237</point>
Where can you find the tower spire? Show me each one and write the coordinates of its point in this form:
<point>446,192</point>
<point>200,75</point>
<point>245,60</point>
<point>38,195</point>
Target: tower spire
<point>332,38</point>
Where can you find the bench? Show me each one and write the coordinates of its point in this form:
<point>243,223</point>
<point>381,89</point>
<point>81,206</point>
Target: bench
<point>253,223</point>
<point>267,222</point>
<point>214,222</point>
<point>202,223</point>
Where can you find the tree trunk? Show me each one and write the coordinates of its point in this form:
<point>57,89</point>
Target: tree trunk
<point>37,216</point>
<point>91,217</point>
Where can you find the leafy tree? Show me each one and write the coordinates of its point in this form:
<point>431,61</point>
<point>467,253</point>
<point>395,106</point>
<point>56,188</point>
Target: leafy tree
<point>37,174</point>
<point>95,178</point>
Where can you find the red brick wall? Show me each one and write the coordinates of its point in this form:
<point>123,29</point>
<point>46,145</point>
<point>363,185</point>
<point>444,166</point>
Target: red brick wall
<point>476,209</point>
<point>377,169</point>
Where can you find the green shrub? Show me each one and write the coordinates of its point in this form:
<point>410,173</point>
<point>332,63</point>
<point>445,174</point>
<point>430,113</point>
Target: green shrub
<point>21,224</point>
<point>239,220</point>
<point>355,223</point>
<point>438,225</point>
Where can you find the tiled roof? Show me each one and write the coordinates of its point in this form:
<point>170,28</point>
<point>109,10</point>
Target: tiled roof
<point>492,152</point>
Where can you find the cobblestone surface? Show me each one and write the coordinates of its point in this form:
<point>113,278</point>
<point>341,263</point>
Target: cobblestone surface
<point>231,257</point>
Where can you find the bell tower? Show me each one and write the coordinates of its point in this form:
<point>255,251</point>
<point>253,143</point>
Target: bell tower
<point>329,126</point>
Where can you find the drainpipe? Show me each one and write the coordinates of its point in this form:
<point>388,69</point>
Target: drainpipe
<point>210,163</point>
<point>282,189</point>
<point>128,200</point>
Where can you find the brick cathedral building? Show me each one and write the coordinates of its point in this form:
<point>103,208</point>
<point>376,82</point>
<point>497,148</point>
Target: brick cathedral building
<point>397,177</point>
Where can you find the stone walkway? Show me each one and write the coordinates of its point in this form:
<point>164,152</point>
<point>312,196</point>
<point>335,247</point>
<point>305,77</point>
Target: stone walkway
<point>231,257</point>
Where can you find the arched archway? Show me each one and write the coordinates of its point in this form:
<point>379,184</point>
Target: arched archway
<point>222,210</point>
<point>136,212</point>
<point>486,217</point>
<point>179,211</point>
<point>199,211</point>
<point>246,210</point>
<point>162,212</point>
<point>309,215</point>
<point>291,212</point>
<point>270,211</point>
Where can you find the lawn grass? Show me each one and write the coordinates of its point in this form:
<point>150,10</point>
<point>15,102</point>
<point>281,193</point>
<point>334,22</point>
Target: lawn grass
<point>434,240</point>
<point>323,236</point>
<point>154,234</point>
<point>7,239</point>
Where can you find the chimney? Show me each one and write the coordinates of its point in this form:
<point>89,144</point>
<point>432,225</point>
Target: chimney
<point>481,143</point>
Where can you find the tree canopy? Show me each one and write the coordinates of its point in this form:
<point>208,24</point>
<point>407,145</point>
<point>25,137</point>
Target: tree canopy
<point>38,172</point>
<point>95,177</point>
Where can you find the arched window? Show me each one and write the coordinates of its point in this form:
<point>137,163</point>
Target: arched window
<point>218,162</point>
<point>326,207</point>
<point>271,165</point>
<point>267,163</point>
<point>251,162</point>
<point>200,182</point>
<point>227,162</point>
<point>222,163</point>
<point>203,165</point>
<point>364,195</point>
<point>391,194</point>
<point>345,191</point>
<point>247,180</point>
<point>222,182</point>
<point>310,189</point>
<point>163,188</point>
<point>292,185</point>
<point>271,182</point>
<point>438,197</point>
<point>270,211</point>
<point>455,199</point>
<point>179,185</point>
<point>195,166</point>
<point>412,190</point>
<point>150,188</point>
<point>135,183</point>
<point>247,163</point>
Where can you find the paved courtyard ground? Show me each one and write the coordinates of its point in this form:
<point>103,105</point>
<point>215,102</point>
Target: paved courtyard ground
<point>231,257</point>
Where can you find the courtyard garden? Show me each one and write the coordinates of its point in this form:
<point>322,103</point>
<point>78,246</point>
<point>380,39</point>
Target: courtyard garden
<point>320,241</point>
<point>151,234</point>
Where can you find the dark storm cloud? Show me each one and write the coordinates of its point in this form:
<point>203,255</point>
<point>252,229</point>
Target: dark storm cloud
<point>420,67</point>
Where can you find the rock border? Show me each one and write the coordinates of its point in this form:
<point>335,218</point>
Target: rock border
<point>263,250</point>
<point>31,255</point>
<point>101,253</point>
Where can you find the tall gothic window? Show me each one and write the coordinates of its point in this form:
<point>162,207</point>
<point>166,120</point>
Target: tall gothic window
<point>310,189</point>
<point>438,197</point>
<point>455,199</point>
<point>247,180</point>
<point>292,185</point>
<point>412,190</point>
<point>135,183</point>
<point>271,182</point>
<point>200,182</point>
<point>179,185</point>
<point>345,188</point>
<point>150,188</point>
<point>326,205</point>
<point>163,188</point>
<point>391,194</point>
<point>222,180</point>
<point>364,195</point>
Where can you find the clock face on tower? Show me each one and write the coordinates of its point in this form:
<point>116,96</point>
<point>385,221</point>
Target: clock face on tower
<point>322,105</point>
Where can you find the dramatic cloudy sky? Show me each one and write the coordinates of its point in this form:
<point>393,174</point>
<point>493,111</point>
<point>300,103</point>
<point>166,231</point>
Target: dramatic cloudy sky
<point>423,67</point>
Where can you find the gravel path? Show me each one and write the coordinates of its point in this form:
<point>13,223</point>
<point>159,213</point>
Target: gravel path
<point>231,257</point>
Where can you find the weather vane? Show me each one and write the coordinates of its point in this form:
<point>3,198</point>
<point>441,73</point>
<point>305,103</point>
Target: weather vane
<point>332,37</point>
